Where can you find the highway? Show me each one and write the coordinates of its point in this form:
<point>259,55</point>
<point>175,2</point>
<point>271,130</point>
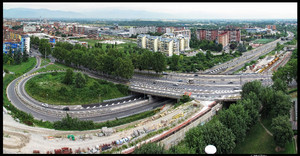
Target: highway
<point>19,98</point>
<point>230,66</point>
<point>170,85</point>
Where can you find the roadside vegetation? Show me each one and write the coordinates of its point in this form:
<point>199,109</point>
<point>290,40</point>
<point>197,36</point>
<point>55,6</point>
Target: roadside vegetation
<point>80,89</point>
<point>239,125</point>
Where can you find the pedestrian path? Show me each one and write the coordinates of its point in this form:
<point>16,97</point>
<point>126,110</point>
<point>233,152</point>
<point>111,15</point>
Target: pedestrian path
<point>265,128</point>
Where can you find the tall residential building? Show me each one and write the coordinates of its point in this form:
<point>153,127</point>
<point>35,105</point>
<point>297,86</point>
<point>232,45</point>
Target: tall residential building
<point>184,32</point>
<point>223,38</point>
<point>141,40</point>
<point>166,46</point>
<point>273,27</point>
<point>152,43</point>
<point>168,43</point>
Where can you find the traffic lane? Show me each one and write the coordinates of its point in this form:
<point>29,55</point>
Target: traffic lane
<point>17,103</point>
<point>127,113</point>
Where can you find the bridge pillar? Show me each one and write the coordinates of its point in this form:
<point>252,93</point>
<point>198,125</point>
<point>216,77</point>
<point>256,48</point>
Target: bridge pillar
<point>150,98</point>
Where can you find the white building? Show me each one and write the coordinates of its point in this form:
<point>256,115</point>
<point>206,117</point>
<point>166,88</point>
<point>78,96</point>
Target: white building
<point>29,28</point>
<point>167,43</point>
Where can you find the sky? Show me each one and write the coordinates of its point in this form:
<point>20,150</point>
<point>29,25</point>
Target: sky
<point>181,10</point>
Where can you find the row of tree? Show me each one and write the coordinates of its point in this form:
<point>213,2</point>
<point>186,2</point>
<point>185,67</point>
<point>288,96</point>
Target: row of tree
<point>15,58</point>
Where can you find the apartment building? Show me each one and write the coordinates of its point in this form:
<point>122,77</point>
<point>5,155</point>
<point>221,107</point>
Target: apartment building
<point>184,32</point>
<point>166,46</point>
<point>273,27</point>
<point>223,38</point>
<point>168,43</point>
<point>141,40</point>
<point>220,36</point>
<point>152,43</point>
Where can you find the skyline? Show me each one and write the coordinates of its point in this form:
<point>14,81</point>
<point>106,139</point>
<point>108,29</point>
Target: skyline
<point>176,10</point>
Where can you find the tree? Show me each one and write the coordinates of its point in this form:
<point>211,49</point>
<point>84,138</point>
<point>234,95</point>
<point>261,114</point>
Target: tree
<point>159,62</point>
<point>199,137</point>
<point>150,148</point>
<point>233,45</point>
<point>147,60</point>
<point>250,48</point>
<point>282,104</point>
<point>282,130</point>
<point>241,48</point>
<point>25,56</point>
<point>253,86</point>
<point>80,80</point>
<point>17,57</point>
<point>174,66</point>
<point>236,118</point>
<point>68,79</point>
<point>123,67</point>
<point>177,149</point>
<point>280,85</point>
<point>252,110</point>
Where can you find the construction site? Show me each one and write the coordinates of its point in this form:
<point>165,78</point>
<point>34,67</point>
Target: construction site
<point>270,63</point>
<point>20,138</point>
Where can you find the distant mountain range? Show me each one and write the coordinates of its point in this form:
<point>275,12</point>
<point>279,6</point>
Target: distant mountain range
<point>104,13</point>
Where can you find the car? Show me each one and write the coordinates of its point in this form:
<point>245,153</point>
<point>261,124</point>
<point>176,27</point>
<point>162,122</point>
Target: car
<point>214,81</point>
<point>236,88</point>
<point>164,73</point>
<point>196,75</point>
<point>154,82</point>
<point>36,66</point>
<point>66,108</point>
<point>180,81</point>
<point>175,84</point>
<point>230,82</point>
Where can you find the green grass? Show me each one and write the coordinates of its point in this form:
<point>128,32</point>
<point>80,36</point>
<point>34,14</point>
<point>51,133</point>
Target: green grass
<point>263,41</point>
<point>119,46</point>
<point>39,86</point>
<point>91,42</point>
<point>267,123</point>
<point>290,148</point>
<point>55,66</point>
<point>19,70</point>
<point>23,67</point>
<point>258,141</point>
<point>45,62</point>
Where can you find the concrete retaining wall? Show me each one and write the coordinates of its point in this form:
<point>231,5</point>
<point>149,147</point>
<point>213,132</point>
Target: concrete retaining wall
<point>175,139</point>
